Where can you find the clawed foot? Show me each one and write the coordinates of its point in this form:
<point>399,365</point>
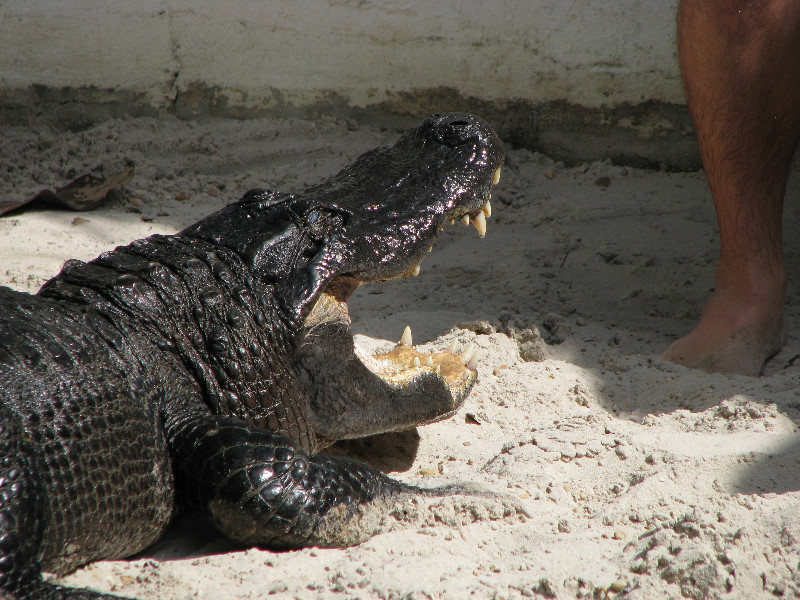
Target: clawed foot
<point>451,506</point>
<point>457,505</point>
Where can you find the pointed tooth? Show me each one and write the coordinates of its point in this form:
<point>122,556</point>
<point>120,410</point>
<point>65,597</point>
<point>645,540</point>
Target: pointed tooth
<point>415,271</point>
<point>415,363</point>
<point>452,221</point>
<point>453,347</point>
<point>480,224</point>
<point>406,339</point>
<point>438,369</point>
<point>487,209</point>
<point>467,354</point>
<point>465,220</point>
<point>429,361</point>
<point>472,364</point>
<point>496,178</point>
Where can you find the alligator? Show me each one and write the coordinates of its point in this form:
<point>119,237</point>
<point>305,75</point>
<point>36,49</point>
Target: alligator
<point>206,370</point>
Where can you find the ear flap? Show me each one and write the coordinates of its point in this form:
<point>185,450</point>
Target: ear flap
<point>314,228</point>
<point>298,293</point>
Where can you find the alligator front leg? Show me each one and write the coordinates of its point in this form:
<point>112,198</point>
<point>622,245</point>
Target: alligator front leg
<point>262,489</point>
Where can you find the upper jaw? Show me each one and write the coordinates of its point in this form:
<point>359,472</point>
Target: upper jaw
<point>475,212</point>
<point>477,216</point>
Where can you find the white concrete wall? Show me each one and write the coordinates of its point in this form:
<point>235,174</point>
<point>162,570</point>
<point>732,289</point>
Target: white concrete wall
<point>599,53</point>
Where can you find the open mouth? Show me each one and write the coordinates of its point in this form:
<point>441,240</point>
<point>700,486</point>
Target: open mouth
<point>478,217</point>
<point>404,365</point>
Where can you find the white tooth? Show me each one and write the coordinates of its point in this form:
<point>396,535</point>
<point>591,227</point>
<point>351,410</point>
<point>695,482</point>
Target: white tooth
<point>429,361</point>
<point>473,362</point>
<point>465,220</point>
<point>406,339</point>
<point>487,209</point>
<point>416,362</point>
<point>452,221</point>
<point>438,369</point>
<point>467,354</point>
<point>496,176</point>
<point>415,271</point>
<point>453,347</point>
<point>480,224</point>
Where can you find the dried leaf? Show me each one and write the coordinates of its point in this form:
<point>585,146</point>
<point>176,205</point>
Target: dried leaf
<point>84,193</point>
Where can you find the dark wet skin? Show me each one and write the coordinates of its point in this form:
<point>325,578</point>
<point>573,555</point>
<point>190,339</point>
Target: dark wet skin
<point>208,368</point>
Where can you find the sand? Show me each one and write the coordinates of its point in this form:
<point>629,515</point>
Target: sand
<point>637,478</point>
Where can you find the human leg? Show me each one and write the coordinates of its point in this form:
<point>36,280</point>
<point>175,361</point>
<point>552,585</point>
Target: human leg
<point>741,68</point>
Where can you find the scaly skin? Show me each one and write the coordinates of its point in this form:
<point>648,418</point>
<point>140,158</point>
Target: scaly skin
<point>206,368</point>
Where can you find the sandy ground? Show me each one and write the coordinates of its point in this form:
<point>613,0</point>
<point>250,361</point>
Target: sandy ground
<point>639,479</point>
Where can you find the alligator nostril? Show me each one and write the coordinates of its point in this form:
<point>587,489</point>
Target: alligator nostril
<point>455,129</point>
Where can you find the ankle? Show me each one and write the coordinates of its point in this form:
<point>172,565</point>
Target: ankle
<point>748,282</point>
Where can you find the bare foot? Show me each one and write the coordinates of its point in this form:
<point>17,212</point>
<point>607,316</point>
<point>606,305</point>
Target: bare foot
<point>736,333</point>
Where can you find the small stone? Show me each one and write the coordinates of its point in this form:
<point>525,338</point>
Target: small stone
<point>481,327</point>
<point>533,350</point>
<point>603,182</point>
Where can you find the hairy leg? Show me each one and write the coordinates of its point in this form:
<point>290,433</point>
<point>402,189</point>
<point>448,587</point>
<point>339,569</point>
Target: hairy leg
<point>741,68</point>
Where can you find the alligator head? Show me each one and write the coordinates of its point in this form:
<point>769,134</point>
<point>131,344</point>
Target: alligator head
<point>373,221</point>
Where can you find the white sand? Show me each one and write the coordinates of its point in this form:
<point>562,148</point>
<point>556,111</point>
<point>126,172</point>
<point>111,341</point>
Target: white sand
<point>641,479</point>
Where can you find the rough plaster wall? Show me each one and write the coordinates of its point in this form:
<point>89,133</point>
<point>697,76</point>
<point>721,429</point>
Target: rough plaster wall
<point>115,44</point>
<point>362,51</point>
